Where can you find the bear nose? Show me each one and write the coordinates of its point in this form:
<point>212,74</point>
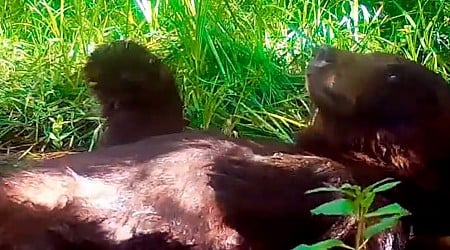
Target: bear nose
<point>325,56</point>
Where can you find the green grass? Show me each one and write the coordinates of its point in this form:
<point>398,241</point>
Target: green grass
<point>239,63</point>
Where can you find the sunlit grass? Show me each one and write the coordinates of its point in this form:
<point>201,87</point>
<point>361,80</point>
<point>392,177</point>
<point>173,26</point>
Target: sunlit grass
<point>239,63</point>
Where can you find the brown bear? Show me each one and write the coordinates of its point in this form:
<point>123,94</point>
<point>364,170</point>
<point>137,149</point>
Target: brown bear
<point>188,185</point>
<point>382,115</point>
<point>137,92</point>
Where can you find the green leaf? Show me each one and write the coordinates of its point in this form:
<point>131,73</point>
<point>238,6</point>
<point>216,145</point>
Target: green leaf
<point>335,207</point>
<point>386,186</point>
<point>53,136</point>
<point>394,208</point>
<point>348,186</point>
<point>371,187</point>
<point>350,190</point>
<point>368,200</point>
<point>377,187</point>
<point>323,189</point>
<point>380,226</point>
<point>323,245</point>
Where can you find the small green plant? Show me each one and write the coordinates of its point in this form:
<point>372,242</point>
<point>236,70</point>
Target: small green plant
<point>56,135</point>
<point>357,203</point>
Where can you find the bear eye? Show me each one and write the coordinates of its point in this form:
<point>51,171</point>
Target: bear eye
<point>392,77</point>
<point>393,74</point>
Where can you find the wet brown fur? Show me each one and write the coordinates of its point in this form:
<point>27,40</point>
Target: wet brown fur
<point>137,92</point>
<point>382,115</point>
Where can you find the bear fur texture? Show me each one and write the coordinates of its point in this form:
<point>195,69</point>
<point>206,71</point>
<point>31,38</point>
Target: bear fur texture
<point>185,186</point>
<point>137,92</point>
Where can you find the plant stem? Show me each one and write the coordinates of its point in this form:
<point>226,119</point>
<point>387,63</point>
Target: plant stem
<point>359,242</point>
